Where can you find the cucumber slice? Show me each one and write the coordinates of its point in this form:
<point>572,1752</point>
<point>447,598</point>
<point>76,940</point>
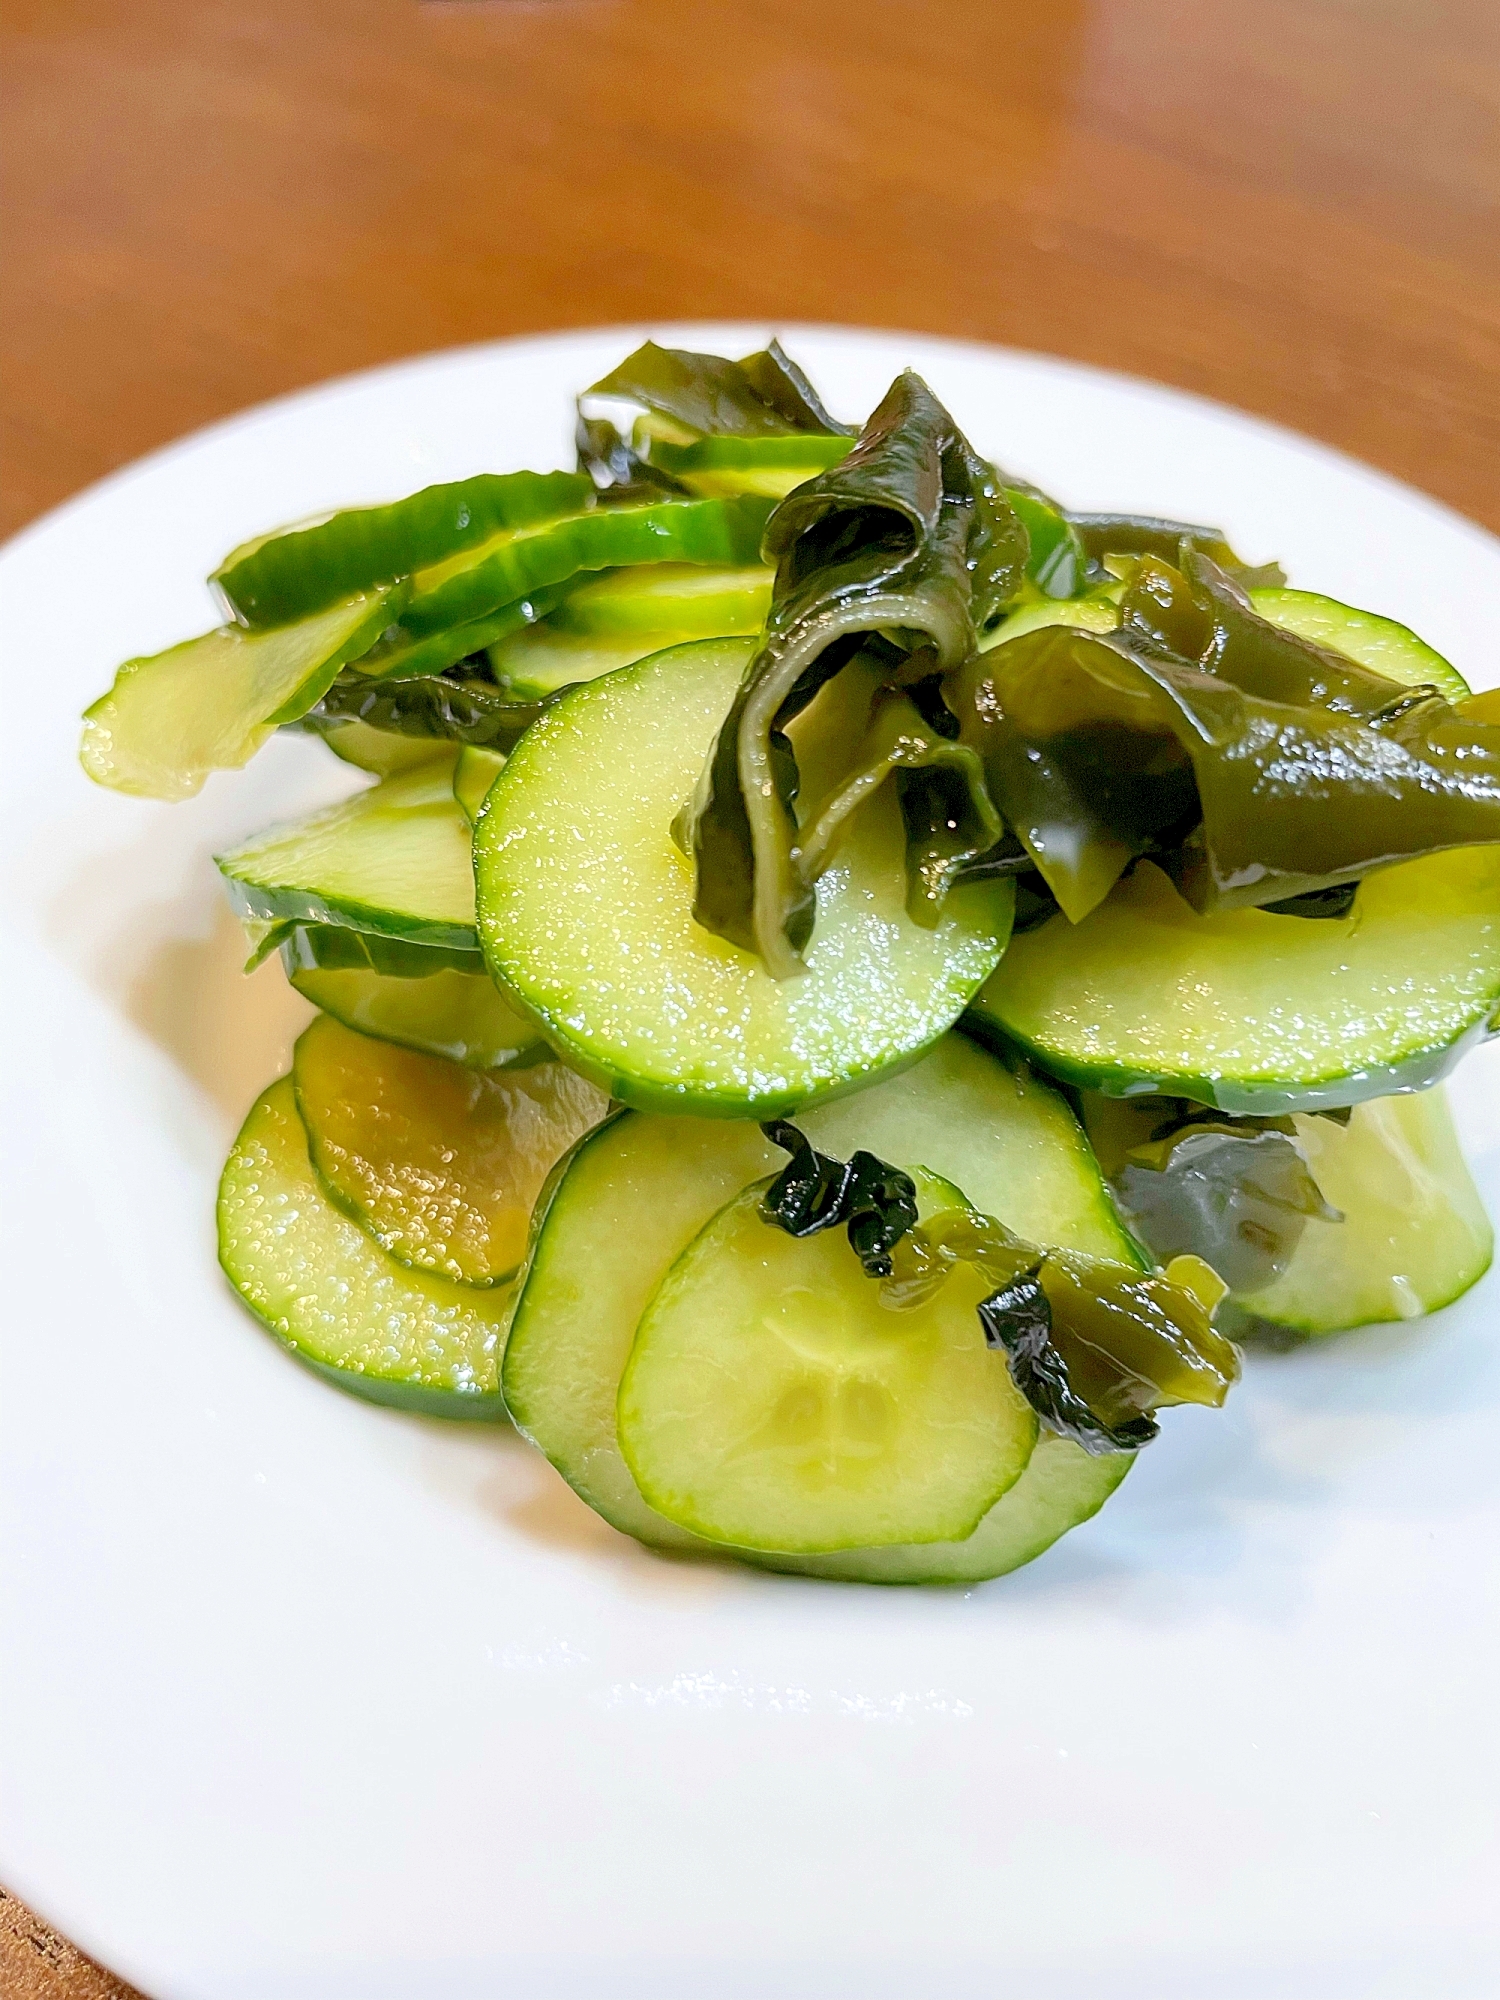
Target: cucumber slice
<point>628,615</point>
<point>694,600</point>
<point>1254,1012</point>
<point>1061,1488</point>
<point>210,704</point>
<point>772,1402</point>
<point>473,774</point>
<point>293,571</point>
<point>637,1191</point>
<point>769,465</point>
<point>414,995</point>
<point>636,994</point>
<point>396,860</point>
<point>440,1164</point>
<point>381,751</point>
<point>512,565</point>
<point>403,653</point>
<point>1414,1236</point>
<point>1378,643</point>
<point>314,1278</point>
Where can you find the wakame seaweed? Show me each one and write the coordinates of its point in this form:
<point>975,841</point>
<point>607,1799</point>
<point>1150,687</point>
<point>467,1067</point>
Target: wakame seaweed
<point>1251,764</point>
<point>876,1203</point>
<point>907,546</point>
<point>462,708</point>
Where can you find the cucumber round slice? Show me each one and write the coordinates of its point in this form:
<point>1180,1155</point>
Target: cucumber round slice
<point>314,1278</point>
<point>1414,1235</point>
<point>1378,643</point>
<point>772,1402</point>
<point>638,1190</point>
<point>459,1015</point>
<point>586,909</point>
<point>1254,1012</point>
<point>1061,1487</point>
<point>438,1163</point>
<point>474,771</point>
<point>396,860</point>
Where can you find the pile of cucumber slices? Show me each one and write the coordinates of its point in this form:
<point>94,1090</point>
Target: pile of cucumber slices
<point>852,986</point>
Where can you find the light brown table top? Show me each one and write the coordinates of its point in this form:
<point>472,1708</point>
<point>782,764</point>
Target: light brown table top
<point>1291,205</point>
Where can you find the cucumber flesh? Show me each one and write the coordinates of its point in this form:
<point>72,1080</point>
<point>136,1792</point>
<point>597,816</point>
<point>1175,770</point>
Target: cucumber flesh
<point>439,1163</point>
<point>1061,1487</point>
<point>628,615</point>
<point>444,1012</point>
<point>409,1339</point>
<point>638,1190</point>
<point>209,705</point>
<point>627,986</point>
<point>473,774</point>
<point>772,1402</point>
<point>773,466</point>
<point>1258,1013</point>
<point>694,600</point>
<point>1414,1236</point>
<point>1378,643</point>
<point>381,751</point>
<point>396,860</point>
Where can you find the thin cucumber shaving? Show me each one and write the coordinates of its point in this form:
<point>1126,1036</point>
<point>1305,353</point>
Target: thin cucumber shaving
<point>856,982</point>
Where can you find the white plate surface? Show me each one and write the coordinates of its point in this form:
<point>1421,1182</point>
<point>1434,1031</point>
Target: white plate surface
<point>308,1701</point>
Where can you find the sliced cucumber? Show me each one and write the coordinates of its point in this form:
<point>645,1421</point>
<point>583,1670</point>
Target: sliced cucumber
<point>638,1190</point>
<point>769,465</point>
<point>626,616</point>
<point>1061,1487</point>
<point>694,600</point>
<point>297,570</point>
<point>627,985</point>
<point>406,1338</point>
<point>473,774</point>
<point>1414,1235</point>
<point>381,751</point>
<point>418,997</point>
<point>1254,1012</point>
<point>396,860</point>
<point>772,1402</point>
<point>210,704</point>
<point>439,1163</point>
<point>513,565</point>
<point>1378,643</point>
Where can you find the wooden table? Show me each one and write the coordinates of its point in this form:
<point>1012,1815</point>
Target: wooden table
<point>1292,205</point>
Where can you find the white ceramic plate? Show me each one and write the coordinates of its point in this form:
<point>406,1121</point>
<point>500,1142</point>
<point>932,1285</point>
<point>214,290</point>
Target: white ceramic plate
<point>308,1701</point>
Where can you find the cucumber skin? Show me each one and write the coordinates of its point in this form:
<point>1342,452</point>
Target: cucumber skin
<point>415,1399</point>
<point>1252,1100</point>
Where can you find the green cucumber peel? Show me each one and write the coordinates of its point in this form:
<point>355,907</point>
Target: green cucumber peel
<point>292,572</point>
<point>512,565</point>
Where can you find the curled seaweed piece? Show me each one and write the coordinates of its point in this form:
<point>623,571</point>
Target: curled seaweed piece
<point>466,708</point>
<point>704,395</point>
<point>1095,1346</point>
<point>1250,764</point>
<point>1103,536</point>
<point>876,1202</point>
<point>908,544</point>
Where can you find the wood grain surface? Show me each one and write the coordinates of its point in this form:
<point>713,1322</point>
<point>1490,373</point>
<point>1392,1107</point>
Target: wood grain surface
<point>1291,205</point>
